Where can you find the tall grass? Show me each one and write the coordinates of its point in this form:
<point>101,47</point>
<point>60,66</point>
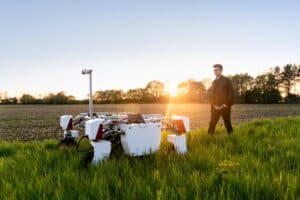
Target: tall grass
<point>260,161</point>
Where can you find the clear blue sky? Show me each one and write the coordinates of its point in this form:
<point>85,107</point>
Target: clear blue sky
<point>45,44</point>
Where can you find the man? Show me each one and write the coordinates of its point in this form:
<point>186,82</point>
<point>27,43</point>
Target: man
<point>221,100</point>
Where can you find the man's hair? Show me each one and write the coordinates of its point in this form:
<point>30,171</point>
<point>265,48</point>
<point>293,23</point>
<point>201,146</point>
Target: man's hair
<point>218,66</point>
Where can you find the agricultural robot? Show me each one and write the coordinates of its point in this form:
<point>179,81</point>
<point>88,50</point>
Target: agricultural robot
<point>139,134</point>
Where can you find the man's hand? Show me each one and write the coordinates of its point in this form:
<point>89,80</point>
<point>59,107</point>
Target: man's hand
<point>224,106</point>
<point>220,107</point>
<point>217,107</point>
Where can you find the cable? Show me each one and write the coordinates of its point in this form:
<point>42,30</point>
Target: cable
<point>54,133</point>
<point>78,145</point>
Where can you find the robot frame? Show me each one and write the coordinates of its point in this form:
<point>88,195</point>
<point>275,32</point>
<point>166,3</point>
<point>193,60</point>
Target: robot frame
<point>140,134</point>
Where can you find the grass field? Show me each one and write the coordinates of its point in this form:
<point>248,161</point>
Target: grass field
<point>260,161</point>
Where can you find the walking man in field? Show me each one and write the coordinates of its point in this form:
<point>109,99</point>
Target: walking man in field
<point>221,100</point>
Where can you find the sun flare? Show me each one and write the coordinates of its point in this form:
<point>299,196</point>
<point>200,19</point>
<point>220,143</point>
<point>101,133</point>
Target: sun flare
<point>171,89</point>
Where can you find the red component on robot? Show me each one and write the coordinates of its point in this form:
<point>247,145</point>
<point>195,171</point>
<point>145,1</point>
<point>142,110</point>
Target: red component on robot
<point>70,125</point>
<point>179,126</point>
<point>99,133</point>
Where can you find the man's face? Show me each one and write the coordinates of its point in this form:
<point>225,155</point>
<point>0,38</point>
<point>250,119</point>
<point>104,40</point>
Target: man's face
<point>217,71</point>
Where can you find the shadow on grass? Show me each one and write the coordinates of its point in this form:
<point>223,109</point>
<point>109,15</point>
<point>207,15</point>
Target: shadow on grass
<point>50,146</point>
<point>7,152</point>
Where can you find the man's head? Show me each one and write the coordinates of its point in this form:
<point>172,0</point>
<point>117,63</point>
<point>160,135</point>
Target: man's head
<point>218,69</point>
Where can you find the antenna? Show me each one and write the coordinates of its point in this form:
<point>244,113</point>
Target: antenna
<point>89,72</point>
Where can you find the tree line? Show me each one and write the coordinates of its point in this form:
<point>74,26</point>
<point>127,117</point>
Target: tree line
<point>274,86</point>
<point>59,98</point>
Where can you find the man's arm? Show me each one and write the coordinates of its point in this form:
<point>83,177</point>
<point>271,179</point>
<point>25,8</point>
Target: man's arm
<point>230,93</point>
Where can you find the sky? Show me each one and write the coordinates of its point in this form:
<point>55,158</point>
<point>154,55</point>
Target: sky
<point>44,45</point>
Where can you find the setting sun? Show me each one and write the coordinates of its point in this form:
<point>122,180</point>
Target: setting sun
<point>173,90</point>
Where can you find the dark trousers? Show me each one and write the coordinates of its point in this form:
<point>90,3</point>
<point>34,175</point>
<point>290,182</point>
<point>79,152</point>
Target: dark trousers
<point>215,117</point>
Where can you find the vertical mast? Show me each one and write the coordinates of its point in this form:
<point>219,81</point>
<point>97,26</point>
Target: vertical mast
<point>89,72</point>
<point>91,98</point>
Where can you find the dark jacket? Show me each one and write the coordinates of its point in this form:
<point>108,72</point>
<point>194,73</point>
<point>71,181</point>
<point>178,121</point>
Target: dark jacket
<point>222,92</point>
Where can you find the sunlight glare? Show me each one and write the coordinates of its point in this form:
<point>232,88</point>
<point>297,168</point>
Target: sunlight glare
<point>173,90</point>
